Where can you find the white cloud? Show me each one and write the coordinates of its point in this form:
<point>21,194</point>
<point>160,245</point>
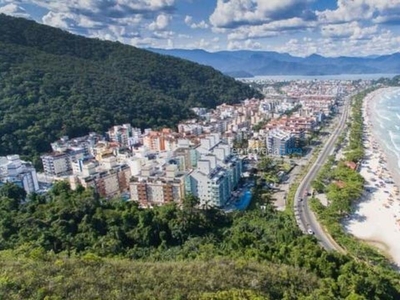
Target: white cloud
<point>270,29</point>
<point>250,44</point>
<point>188,20</point>
<point>14,10</point>
<point>163,34</point>
<point>121,20</point>
<point>110,7</point>
<point>235,13</point>
<point>161,22</point>
<point>200,25</point>
<point>203,44</point>
<point>382,43</point>
<point>247,44</point>
<point>69,21</point>
<point>60,20</point>
<point>379,11</point>
<point>184,36</point>
<point>234,45</point>
<point>142,42</point>
<point>219,30</point>
<point>355,27</point>
<point>352,30</point>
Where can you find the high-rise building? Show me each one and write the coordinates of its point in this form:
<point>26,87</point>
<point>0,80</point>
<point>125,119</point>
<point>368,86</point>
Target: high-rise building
<point>56,164</point>
<point>22,173</point>
<point>280,142</point>
<point>217,174</point>
<point>120,134</point>
<point>154,188</point>
<point>108,180</point>
<point>67,151</point>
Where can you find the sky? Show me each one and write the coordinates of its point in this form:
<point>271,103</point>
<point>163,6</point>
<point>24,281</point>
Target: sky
<point>298,27</point>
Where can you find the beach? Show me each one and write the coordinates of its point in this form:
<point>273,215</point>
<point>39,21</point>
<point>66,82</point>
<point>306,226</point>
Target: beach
<point>377,216</point>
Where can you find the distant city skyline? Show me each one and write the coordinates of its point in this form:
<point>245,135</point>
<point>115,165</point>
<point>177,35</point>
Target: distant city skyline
<point>298,27</point>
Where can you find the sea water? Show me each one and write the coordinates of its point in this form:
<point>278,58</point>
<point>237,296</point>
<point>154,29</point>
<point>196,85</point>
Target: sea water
<point>385,119</point>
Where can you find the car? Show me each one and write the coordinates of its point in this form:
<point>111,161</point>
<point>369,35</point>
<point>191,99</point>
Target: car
<point>310,231</point>
<point>301,199</point>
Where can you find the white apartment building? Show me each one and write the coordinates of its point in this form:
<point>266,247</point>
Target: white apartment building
<point>136,136</point>
<point>56,164</point>
<point>13,169</point>
<point>217,174</point>
<point>67,151</point>
<point>82,144</point>
<point>108,179</point>
<point>280,142</point>
<point>190,128</point>
<point>120,134</point>
<point>153,187</point>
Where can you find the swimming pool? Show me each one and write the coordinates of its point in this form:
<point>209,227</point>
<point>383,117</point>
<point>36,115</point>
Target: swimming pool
<point>244,200</point>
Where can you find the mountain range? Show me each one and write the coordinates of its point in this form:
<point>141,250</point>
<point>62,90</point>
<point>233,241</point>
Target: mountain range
<point>247,63</point>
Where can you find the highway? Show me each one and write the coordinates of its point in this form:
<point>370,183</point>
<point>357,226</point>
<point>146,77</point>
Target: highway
<point>304,216</point>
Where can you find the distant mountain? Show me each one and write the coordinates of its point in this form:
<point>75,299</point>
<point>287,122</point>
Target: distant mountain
<point>54,83</point>
<point>251,63</point>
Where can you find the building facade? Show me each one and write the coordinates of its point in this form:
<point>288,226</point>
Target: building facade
<point>217,174</point>
<point>22,173</point>
<point>152,188</point>
<point>280,142</point>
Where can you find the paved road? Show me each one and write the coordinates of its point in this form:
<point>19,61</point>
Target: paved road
<point>305,218</point>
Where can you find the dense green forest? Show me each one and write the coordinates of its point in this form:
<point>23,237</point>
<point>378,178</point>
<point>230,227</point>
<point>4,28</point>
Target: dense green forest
<point>74,245</point>
<point>53,83</point>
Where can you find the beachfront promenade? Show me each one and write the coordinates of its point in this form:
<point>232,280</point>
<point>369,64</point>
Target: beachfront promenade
<point>304,216</point>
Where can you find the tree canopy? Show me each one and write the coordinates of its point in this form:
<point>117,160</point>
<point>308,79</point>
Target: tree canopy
<point>54,83</point>
<point>261,253</point>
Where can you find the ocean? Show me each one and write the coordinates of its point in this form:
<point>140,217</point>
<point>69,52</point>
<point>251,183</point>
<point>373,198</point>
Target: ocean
<point>385,119</point>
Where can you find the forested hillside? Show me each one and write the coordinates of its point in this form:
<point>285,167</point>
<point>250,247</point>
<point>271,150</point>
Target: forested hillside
<point>73,245</point>
<point>53,83</point>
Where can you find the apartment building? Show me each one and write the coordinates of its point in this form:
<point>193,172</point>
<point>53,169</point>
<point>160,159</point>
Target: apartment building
<point>82,144</point>
<point>190,128</point>
<point>186,157</point>
<point>120,134</point>
<point>22,173</point>
<point>308,124</point>
<point>209,183</point>
<point>56,164</point>
<point>66,151</point>
<point>319,103</point>
<point>154,141</point>
<point>108,182</point>
<point>154,188</point>
<point>280,142</point>
<point>217,174</point>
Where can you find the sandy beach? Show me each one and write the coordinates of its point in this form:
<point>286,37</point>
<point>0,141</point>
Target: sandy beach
<point>377,216</point>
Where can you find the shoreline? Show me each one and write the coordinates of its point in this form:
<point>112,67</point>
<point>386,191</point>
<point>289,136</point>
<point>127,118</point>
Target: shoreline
<point>376,219</point>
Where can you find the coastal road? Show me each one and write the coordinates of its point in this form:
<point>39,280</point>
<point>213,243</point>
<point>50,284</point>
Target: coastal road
<point>304,216</point>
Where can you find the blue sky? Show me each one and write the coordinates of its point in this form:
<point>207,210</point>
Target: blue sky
<point>299,27</point>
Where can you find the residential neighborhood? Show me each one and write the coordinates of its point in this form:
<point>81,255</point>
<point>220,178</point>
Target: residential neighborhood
<point>203,157</point>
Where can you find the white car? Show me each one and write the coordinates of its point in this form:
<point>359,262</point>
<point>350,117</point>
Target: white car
<point>310,231</point>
